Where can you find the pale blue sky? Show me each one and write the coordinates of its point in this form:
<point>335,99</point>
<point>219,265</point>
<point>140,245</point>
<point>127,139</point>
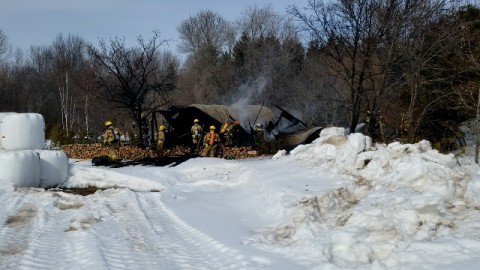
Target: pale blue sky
<point>38,22</point>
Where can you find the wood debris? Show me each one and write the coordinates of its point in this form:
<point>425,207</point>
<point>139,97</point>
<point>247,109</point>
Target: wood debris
<point>131,152</point>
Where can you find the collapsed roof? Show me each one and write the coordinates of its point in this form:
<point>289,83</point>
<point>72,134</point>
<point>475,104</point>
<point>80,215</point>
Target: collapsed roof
<point>180,120</point>
<point>247,115</point>
<point>300,137</point>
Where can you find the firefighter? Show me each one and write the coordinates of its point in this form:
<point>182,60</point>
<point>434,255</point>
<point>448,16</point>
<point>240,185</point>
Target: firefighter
<point>210,141</point>
<point>196,134</point>
<point>111,139</point>
<point>259,132</point>
<point>161,137</point>
<point>230,132</point>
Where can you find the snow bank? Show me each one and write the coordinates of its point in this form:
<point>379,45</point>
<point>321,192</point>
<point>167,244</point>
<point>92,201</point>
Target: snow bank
<point>416,166</point>
<point>22,168</point>
<point>472,193</point>
<point>53,168</point>
<point>83,177</point>
<point>22,131</point>
<point>399,193</point>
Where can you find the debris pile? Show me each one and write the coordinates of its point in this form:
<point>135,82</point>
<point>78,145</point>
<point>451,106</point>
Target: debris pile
<point>130,152</point>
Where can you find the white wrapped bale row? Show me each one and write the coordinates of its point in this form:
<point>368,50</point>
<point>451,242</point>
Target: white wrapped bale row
<point>22,168</point>
<point>53,168</point>
<point>2,115</point>
<point>22,131</point>
<point>26,168</point>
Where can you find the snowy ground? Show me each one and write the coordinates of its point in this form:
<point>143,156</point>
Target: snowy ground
<point>338,203</point>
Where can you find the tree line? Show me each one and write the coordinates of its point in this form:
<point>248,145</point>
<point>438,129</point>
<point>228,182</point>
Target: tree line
<point>402,69</point>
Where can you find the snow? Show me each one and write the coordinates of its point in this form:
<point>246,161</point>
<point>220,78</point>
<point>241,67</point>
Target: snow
<point>340,202</point>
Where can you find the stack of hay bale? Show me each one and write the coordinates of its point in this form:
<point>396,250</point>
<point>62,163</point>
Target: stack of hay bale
<point>23,160</point>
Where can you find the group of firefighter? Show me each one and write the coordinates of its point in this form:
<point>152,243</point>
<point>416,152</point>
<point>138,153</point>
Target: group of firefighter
<point>211,140</point>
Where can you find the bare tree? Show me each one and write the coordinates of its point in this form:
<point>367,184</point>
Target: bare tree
<point>41,82</point>
<point>362,40</point>
<point>4,71</point>
<point>134,78</point>
<point>207,29</point>
<point>261,21</point>
<point>428,34</point>
<point>314,92</point>
<point>346,30</point>
<point>268,49</point>
<point>69,61</point>
<point>5,47</point>
<point>469,92</point>
<point>206,37</point>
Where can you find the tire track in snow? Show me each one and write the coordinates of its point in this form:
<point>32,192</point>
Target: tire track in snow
<point>43,248</point>
<point>48,243</point>
<point>131,237</point>
<point>17,231</point>
<point>9,202</point>
<point>194,246</point>
<point>159,239</point>
<point>113,247</point>
<point>56,247</point>
<point>83,248</point>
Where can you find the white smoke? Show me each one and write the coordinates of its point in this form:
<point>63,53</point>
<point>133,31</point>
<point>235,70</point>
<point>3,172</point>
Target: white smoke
<point>250,93</point>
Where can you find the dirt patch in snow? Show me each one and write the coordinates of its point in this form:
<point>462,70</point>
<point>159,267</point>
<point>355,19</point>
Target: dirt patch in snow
<point>78,191</point>
<point>23,215</point>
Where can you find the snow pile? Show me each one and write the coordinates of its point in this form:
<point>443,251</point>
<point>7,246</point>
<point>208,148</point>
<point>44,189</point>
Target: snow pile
<point>83,177</point>
<point>399,194</point>
<point>24,163</point>
<point>415,166</point>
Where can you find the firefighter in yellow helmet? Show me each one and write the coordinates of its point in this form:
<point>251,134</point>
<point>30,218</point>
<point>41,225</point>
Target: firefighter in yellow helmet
<point>111,135</point>
<point>161,137</point>
<point>259,136</point>
<point>111,139</point>
<point>196,134</point>
<point>230,131</point>
<point>210,142</point>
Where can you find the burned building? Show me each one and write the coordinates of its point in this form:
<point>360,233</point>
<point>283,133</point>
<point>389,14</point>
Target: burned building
<point>179,121</point>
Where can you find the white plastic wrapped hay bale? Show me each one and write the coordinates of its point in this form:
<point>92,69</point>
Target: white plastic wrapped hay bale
<point>53,168</point>
<point>22,131</point>
<point>2,115</point>
<point>22,168</point>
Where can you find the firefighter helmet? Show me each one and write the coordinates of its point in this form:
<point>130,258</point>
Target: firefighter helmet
<point>212,127</point>
<point>195,121</point>
<point>161,127</point>
<point>108,123</point>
